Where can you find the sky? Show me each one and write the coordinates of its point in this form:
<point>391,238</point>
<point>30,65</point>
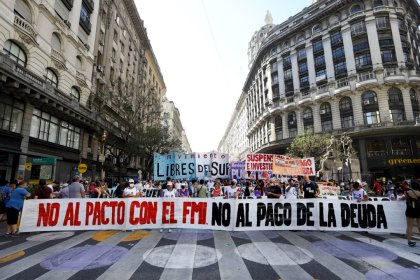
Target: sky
<point>201,47</point>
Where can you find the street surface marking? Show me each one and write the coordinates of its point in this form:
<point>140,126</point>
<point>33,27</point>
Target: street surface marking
<point>137,235</point>
<point>12,257</point>
<point>104,235</point>
<point>48,236</point>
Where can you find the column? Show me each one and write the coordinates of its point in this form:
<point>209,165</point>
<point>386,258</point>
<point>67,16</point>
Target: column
<point>397,40</point>
<point>268,85</point>
<point>271,127</point>
<point>383,105</point>
<point>408,108</point>
<point>311,64</point>
<point>295,70</point>
<point>26,129</point>
<point>335,112</point>
<point>375,51</point>
<point>285,126</point>
<point>317,118</point>
<point>357,109</point>
<point>348,49</point>
<point>299,119</point>
<point>280,72</point>
<point>326,42</point>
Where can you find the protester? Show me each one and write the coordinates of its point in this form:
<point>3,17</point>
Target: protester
<point>400,195</point>
<point>183,192</point>
<point>274,189</point>
<point>76,189</point>
<point>217,192</point>
<point>169,192</point>
<point>14,206</point>
<point>390,188</point>
<point>64,192</point>
<point>232,190</point>
<point>201,190</point>
<point>5,193</point>
<point>291,191</point>
<point>359,194</point>
<point>130,191</point>
<point>412,210</point>
<point>138,185</point>
<point>43,191</point>
<point>309,188</point>
<point>119,190</point>
<point>259,189</point>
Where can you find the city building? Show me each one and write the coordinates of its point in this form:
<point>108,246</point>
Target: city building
<point>235,140</point>
<point>172,120</point>
<point>335,67</point>
<point>46,63</point>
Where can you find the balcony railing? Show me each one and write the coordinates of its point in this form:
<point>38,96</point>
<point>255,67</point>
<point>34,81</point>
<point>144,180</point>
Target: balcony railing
<point>364,76</point>
<point>290,100</point>
<point>356,15</point>
<point>342,82</point>
<point>323,89</point>
<point>25,27</point>
<point>56,55</point>
<point>391,72</point>
<point>305,95</point>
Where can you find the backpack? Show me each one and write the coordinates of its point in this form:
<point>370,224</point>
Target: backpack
<point>3,195</point>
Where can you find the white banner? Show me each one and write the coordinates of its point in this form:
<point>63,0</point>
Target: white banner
<point>212,165</point>
<point>217,214</point>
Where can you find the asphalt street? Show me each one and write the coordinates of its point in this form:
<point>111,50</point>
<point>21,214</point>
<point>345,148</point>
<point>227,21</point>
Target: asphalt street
<point>205,254</point>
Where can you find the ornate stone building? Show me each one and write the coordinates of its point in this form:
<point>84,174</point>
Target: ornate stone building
<point>171,118</point>
<point>342,66</point>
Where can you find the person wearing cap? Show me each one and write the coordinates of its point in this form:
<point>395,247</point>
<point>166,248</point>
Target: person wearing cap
<point>64,192</point>
<point>130,191</point>
<point>274,189</point>
<point>76,189</point>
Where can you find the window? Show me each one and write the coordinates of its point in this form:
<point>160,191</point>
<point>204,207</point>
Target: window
<point>74,92</point>
<point>307,114</point>
<point>382,22</point>
<point>338,53</point>
<point>317,46</point>
<point>325,109</point>
<point>371,117</point>
<point>321,75</point>
<point>376,148</point>
<point>388,56</point>
<point>363,60</point>
<point>288,74</point>
<point>316,29</point>
<point>347,121</point>
<point>301,53</point>
<point>340,68</point>
<point>85,18</point>
<point>407,58</point>
<point>285,45</point>
<point>113,54</point>
<point>336,38</point>
<point>15,53</point>
<point>401,146</point>
<point>319,60</point>
<point>274,78</point>
<point>369,98</point>
<point>289,87</point>
<point>291,119</point>
<point>300,38</point>
<point>356,9</point>
<point>278,127</point>
<point>51,77</point>
<point>115,38</point>
<point>303,67</point>
<point>304,81</point>
<point>11,114</point>
<point>397,115</point>
<point>395,96</point>
<point>360,46</point>
<point>378,3</point>
<point>23,10</point>
<point>358,28</point>
<point>345,104</point>
<point>274,66</point>
<point>78,63</point>
<point>55,42</point>
<point>287,61</point>
<point>327,126</point>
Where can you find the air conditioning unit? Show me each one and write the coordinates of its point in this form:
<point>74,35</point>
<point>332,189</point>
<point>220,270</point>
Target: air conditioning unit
<point>67,22</point>
<point>366,102</point>
<point>322,112</point>
<point>100,68</point>
<point>292,122</point>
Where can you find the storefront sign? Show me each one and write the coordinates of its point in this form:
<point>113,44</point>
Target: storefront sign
<point>28,166</point>
<point>404,161</point>
<point>43,161</point>
<point>82,168</point>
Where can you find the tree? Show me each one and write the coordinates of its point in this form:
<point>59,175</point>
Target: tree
<point>310,145</point>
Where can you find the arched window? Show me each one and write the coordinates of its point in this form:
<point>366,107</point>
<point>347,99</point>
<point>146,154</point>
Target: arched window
<point>15,52</point>
<point>74,92</point>
<point>78,63</point>
<point>316,29</point>
<point>378,3</point>
<point>22,9</point>
<point>325,109</point>
<point>369,98</point>
<point>395,96</point>
<point>413,95</point>
<point>300,38</point>
<point>356,9</point>
<point>285,45</point>
<point>51,77</point>
<point>291,118</point>
<point>415,103</point>
<point>345,103</point>
<point>307,114</point>
<point>55,42</point>
<point>278,127</point>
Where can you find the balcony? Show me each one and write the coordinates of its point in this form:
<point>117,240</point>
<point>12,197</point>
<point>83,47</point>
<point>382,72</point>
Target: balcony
<point>356,15</point>
<point>68,4</point>
<point>358,32</point>
<point>342,85</point>
<point>25,28</point>
<point>365,76</point>
<point>81,78</point>
<point>58,59</point>
<point>322,92</point>
<point>400,11</point>
<point>305,98</point>
<point>89,4</point>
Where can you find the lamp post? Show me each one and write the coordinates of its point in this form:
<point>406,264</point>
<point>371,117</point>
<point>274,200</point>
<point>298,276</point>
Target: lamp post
<point>102,156</point>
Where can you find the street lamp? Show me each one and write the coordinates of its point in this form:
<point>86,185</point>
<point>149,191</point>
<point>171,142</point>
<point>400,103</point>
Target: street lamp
<point>102,156</point>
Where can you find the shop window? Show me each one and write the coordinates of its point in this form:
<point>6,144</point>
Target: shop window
<point>376,148</point>
<point>401,146</point>
<point>11,114</point>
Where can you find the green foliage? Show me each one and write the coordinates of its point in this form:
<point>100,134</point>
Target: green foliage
<point>309,145</point>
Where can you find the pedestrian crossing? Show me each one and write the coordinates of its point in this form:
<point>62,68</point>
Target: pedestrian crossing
<point>198,254</point>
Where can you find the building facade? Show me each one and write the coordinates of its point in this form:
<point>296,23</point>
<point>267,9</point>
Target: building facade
<point>171,118</point>
<point>341,66</point>
<point>235,140</point>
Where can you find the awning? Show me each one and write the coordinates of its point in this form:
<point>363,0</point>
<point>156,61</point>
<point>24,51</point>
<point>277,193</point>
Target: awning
<point>10,150</point>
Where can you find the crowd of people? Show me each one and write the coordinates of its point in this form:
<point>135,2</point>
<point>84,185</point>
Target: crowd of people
<point>12,195</point>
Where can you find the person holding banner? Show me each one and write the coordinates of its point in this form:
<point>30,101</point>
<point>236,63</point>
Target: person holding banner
<point>131,191</point>
<point>217,192</point>
<point>291,191</point>
<point>309,188</point>
<point>413,210</point>
<point>232,190</point>
<point>274,190</point>
<point>183,192</point>
<point>259,189</point>
<point>14,206</point>
<point>201,190</point>
<point>359,194</point>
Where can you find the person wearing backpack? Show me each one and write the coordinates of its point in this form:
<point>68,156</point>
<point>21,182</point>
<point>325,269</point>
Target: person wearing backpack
<point>412,211</point>
<point>4,197</point>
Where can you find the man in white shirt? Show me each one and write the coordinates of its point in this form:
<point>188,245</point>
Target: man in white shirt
<point>139,186</point>
<point>232,191</point>
<point>359,194</point>
<point>130,191</point>
<point>292,188</point>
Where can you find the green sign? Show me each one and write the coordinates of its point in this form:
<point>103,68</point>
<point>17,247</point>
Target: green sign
<point>43,161</point>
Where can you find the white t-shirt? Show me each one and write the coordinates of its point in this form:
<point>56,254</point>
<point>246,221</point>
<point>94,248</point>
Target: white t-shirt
<point>130,191</point>
<point>359,194</point>
<point>231,191</point>
<point>139,187</point>
<point>171,194</point>
<point>178,186</point>
<point>292,193</point>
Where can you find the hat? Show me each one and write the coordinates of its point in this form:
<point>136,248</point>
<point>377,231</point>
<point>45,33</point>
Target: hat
<point>65,185</point>
<point>136,180</point>
<point>234,181</point>
<point>131,181</point>
<point>169,183</point>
